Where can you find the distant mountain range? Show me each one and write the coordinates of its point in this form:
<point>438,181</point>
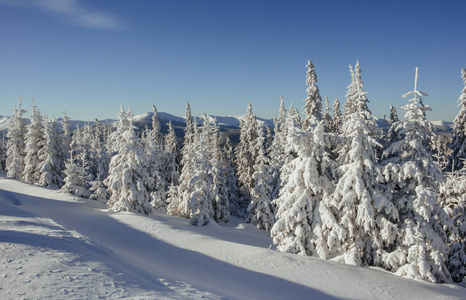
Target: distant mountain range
<point>229,125</point>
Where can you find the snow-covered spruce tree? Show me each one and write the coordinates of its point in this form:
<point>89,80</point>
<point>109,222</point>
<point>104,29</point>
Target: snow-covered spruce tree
<point>33,144</point>
<point>313,102</point>
<point>278,152</point>
<point>156,128</point>
<point>221,201</point>
<point>246,156</point>
<point>101,163</point>
<point>292,120</point>
<point>358,221</point>
<point>393,114</point>
<point>187,168</point>
<point>171,156</point>
<point>353,90</point>
<point>453,201</point>
<point>127,173</point>
<point>260,212</point>
<point>115,140</point>
<point>458,137</point>
<point>307,180</point>
<point>156,183</point>
<point>337,117</point>
<point>16,143</point>
<point>327,118</point>
<point>194,196</point>
<point>65,139</point>
<point>412,179</point>
<point>230,177</point>
<point>50,156</point>
<point>76,180</point>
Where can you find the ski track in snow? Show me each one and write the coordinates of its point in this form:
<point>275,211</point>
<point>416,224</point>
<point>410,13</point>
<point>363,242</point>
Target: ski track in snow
<point>58,246</point>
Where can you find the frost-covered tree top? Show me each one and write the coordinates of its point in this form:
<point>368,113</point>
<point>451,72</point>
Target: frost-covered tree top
<point>393,114</point>
<point>355,90</point>
<point>415,129</point>
<point>156,134</point>
<point>313,102</point>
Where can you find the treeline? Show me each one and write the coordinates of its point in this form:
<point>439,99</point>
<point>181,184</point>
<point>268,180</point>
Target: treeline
<point>329,184</point>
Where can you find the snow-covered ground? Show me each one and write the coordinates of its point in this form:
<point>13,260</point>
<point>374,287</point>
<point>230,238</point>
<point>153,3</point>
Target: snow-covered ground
<point>54,245</point>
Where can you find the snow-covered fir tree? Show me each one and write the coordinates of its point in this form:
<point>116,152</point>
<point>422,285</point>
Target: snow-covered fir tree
<point>156,128</point>
<point>33,145</point>
<point>16,143</point>
<point>171,156</point>
<point>187,168</point>
<point>358,221</point>
<point>246,156</point>
<point>458,137</point>
<point>50,155</point>
<point>393,114</point>
<point>337,117</point>
<point>327,118</point>
<point>76,178</point>
<point>194,195</point>
<point>115,140</point>
<point>260,212</point>
<point>305,180</point>
<point>313,102</point>
<point>156,183</point>
<point>412,179</point>
<point>127,173</point>
<point>221,201</point>
<point>101,160</point>
<point>65,139</point>
<point>453,201</point>
<point>278,151</point>
<point>230,177</point>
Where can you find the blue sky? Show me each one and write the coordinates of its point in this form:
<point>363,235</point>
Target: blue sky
<point>87,57</point>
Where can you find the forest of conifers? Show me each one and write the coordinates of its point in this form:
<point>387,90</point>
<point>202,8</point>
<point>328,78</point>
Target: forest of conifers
<point>329,183</point>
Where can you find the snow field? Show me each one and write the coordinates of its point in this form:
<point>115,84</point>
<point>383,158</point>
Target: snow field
<point>56,245</point>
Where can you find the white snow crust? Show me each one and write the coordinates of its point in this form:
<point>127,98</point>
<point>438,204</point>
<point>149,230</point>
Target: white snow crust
<point>58,246</point>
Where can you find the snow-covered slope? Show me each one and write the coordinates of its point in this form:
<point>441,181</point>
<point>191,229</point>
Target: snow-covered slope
<point>55,245</point>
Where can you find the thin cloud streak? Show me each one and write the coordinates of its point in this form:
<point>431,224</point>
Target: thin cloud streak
<point>72,12</point>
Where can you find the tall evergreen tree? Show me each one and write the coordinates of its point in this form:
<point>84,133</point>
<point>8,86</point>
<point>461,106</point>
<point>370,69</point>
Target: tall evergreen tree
<point>230,177</point>
<point>313,102</point>
<point>33,145</point>
<point>260,211</point>
<point>75,176</point>
<point>127,173</point>
<point>327,118</point>
<point>194,195</point>
<point>337,117</point>
<point>458,137</point>
<point>16,143</point>
<point>50,156</point>
<point>412,179</point>
<point>362,221</point>
<point>246,156</point>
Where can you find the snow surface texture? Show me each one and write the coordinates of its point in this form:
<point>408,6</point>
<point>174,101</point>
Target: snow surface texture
<point>55,245</point>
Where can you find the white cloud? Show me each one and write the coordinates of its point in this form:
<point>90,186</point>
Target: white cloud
<point>71,11</point>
